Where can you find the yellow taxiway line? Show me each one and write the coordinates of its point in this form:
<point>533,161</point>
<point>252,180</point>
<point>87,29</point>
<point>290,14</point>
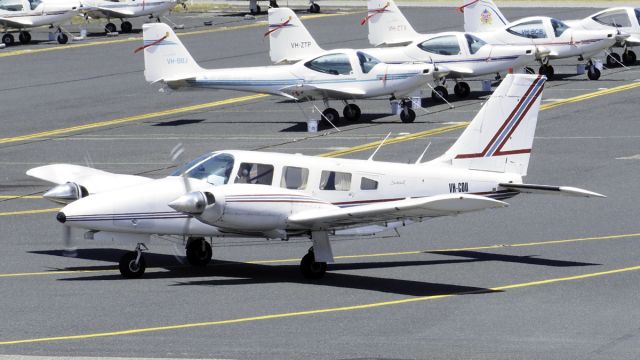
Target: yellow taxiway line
<point>11,197</point>
<point>28,212</point>
<point>363,256</point>
<point>257,24</point>
<point>365,306</point>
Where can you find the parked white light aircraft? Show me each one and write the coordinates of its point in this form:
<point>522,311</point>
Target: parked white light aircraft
<point>126,9</point>
<point>338,74</point>
<point>279,196</point>
<point>254,8</point>
<point>483,18</point>
<point>27,14</point>
<point>624,19</point>
<point>462,55</point>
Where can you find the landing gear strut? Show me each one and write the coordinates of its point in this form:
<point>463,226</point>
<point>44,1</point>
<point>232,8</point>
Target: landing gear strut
<point>310,268</point>
<point>407,115</point>
<point>198,252</point>
<point>132,264</point>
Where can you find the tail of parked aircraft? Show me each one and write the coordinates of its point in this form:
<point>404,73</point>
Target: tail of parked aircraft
<point>482,16</point>
<point>289,39</point>
<point>165,57</point>
<point>501,135</point>
<point>387,25</point>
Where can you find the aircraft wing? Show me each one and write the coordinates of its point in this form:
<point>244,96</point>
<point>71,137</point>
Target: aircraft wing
<point>310,92</point>
<point>93,180</point>
<point>632,40</point>
<point>6,23</point>
<point>416,208</point>
<point>457,71</point>
<point>114,13</point>
<point>548,189</point>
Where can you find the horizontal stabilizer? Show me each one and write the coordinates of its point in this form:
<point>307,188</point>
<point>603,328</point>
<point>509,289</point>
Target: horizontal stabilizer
<point>417,208</point>
<point>548,189</point>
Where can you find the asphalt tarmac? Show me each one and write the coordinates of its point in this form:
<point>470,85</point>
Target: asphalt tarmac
<point>547,277</point>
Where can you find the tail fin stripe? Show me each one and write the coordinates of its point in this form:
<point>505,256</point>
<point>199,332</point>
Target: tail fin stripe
<point>373,13</point>
<point>461,8</point>
<point>520,110</point>
<point>151,43</point>
<point>276,27</point>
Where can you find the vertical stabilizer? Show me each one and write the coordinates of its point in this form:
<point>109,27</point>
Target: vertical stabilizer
<point>482,16</point>
<point>387,25</point>
<point>501,135</point>
<point>289,39</point>
<point>165,57</point>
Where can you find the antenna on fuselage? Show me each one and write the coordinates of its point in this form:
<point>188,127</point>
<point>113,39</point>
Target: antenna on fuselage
<point>379,146</point>
<point>424,152</point>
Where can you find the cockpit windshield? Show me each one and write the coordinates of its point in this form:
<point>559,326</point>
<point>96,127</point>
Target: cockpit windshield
<point>367,62</point>
<point>11,5</point>
<point>475,43</point>
<point>637,11</point>
<point>214,168</point>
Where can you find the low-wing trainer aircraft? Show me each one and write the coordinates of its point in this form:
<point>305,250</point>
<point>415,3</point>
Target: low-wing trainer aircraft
<point>254,8</point>
<point>624,19</point>
<point>338,74</point>
<point>126,9</point>
<point>27,14</point>
<point>484,19</point>
<point>281,196</point>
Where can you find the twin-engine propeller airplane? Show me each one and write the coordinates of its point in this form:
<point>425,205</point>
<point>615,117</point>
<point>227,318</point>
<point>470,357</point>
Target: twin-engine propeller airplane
<point>484,19</point>
<point>280,196</point>
<point>338,74</point>
<point>625,19</point>
<point>27,14</point>
<point>460,54</point>
<point>254,8</point>
<point>126,9</point>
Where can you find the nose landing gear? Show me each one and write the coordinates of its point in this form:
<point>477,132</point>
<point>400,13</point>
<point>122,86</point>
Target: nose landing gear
<point>132,264</point>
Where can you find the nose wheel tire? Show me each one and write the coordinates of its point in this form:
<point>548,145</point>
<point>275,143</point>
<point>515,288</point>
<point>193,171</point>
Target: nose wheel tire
<point>462,90</point>
<point>351,112</point>
<point>439,93</point>
<point>310,268</point>
<point>629,58</point>
<point>126,27</point>
<point>407,115</point>
<point>198,252</point>
<point>128,267</point>
<point>331,115</point>
<point>613,60</point>
<point>593,73</point>
<point>314,8</point>
<point>62,38</point>
<point>547,70</point>
<point>8,39</point>
<point>110,28</point>
<point>24,37</point>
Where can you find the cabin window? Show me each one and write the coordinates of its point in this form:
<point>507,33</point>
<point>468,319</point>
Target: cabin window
<point>475,43</point>
<point>442,45</point>
<point>294,178</point>
<point>367,62</point>
<point>253,173</point>
<point>334,180</point>
<point>558,27</point>
<point>616,18</point>
<point>333,64</point>
<point>368,184</point>
<point>215,169</point>
<point>12,6</point>
<point>530,29</point>
<point>637,11</point>
<point>34,3</point>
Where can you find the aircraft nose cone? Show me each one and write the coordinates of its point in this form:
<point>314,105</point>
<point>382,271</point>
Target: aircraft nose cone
<point>192,203</point>
<point>61,217</point>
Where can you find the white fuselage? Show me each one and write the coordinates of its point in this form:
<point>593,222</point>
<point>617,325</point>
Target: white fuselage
<point>46,13</point>
<point>127,8</point>
<point>258,207</point>
<point>624,19</point>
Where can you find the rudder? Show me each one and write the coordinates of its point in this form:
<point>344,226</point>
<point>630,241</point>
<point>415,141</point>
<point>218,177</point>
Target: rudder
<point>289,39</point>
<point>387,24</point>
<point>482,16</point>
<point>165,57</point>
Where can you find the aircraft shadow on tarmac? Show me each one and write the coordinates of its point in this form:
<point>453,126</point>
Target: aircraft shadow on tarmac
<point>179,122</point>
<point>229,273</point>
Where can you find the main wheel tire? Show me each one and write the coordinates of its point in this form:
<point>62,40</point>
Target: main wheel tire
<point>24,37</point>
<point>126,27</point>
<point>629,58</point>
<point>439,90</point>
<point>128,267</point>
<point>593,73</point>
<point>462,90</point>
<point>352,112</point>
<point>273,4</point>
<point>613,60</point>
<point>547,70</point>
<point>110,28</point>
<point>62,38</point>
<point>256,11</point>
<point>407,116</point>
<point>310,268</point>
<point>314,8</point>
<point>196,255</point>
<point>331,115</point>
<point>8,39</point>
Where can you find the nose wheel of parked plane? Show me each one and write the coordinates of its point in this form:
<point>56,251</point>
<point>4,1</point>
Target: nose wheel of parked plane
<point>132,264</point>
<point>593,73</point>
<point>462,90</point>
<point>351,112</point>
<point>546,70</point>
<point>198,252</point>
<point>407,115</point>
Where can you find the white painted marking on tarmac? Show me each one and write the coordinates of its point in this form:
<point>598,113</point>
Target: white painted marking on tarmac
<point>634,157</point>
<point>24,357</point>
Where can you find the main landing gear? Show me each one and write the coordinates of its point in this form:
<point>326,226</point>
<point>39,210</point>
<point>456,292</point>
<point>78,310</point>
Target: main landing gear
<point>125,27</point>
<point>310,268</point>
<point>314,8</point>
<point>350,112</point>
<point>628,58</point>
<point>546,70</point>
<point>407,115</point>
<point>461,89</point>
<point>198,252</point>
